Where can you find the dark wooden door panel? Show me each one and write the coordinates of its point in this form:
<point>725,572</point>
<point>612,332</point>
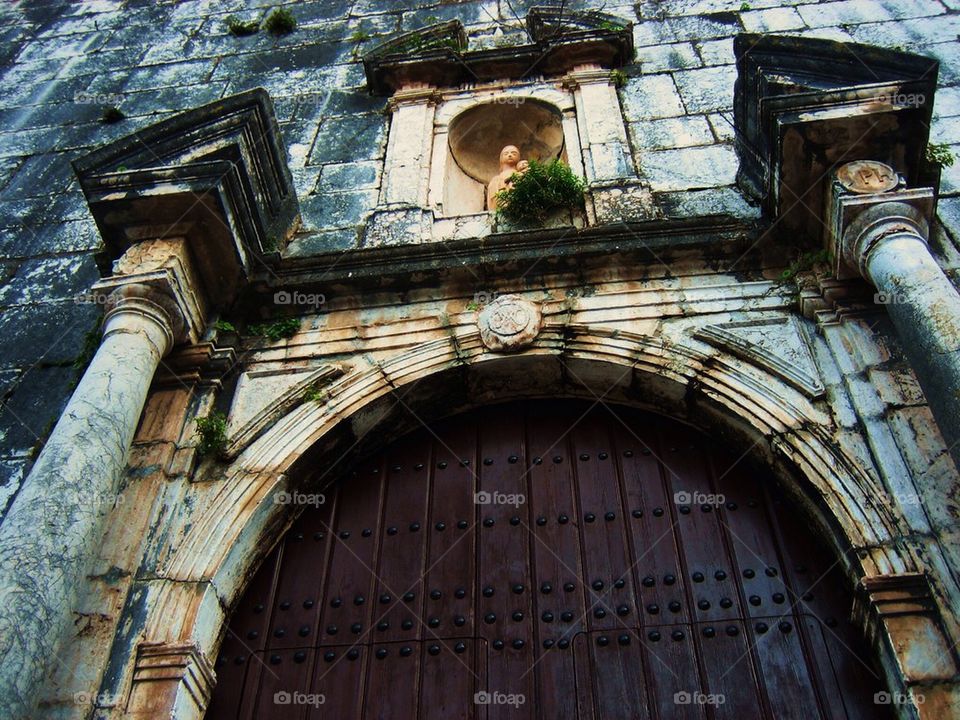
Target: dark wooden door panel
<point>547,560</point>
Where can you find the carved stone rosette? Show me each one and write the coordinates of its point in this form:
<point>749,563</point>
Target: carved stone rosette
<point>509,323</point>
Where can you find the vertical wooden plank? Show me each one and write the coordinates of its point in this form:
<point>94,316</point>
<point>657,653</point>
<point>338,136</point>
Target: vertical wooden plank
<point>452,676</point>
<point>282,680</point>
<point>616,667</point>
<point>558,612</point>
<point>608,581</point>
<point>704,552</point>
<point>406,529</point>
<point>729,671</point>
<point>348,605</point>
<point>669,653</point>
<point>652,532</point>
<point>340,678</point>
<point>451,561</point>
<point>392,681</point>
<point>505,570</point>
<point>296,607</point>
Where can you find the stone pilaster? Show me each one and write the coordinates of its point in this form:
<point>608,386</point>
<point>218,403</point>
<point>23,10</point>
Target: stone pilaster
<point>899,612</point>
<point>53,528</point>
<point>882,236</point>
<point>170,680</point>
<point>603,137</point>
<point>406,176</point>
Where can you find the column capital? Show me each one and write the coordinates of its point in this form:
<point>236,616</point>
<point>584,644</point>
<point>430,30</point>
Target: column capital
<point>861,216</point>
<point>586,75</point>
<point>414,94</point>
<point>170,677</point>
<point>153,278</point>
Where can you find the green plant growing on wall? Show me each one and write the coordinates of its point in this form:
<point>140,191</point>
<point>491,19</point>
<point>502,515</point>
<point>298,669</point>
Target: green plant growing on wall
<point>280,21</point>
<point>224,326</point>
<point>213,433</point>
<point>316,394</point>
<point>806,262</point>
<point>940,154</point>
<point>359,35</point>
<point>278,329</point>
<point>744,7</point>
<point>112,114</point>
<point>240,28</point>
<point>618,77</point>
<point>543,188</point>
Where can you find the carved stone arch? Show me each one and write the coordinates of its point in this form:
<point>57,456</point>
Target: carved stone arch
<point>238,520</point>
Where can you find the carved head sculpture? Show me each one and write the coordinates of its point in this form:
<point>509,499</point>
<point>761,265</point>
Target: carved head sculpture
<point>509,157</point>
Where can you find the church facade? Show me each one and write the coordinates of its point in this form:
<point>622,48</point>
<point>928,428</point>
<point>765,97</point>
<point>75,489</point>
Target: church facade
<point>480,359</point>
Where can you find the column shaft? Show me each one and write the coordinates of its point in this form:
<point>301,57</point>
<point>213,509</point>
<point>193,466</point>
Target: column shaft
<point>925,308</point>
<point>55,524</point>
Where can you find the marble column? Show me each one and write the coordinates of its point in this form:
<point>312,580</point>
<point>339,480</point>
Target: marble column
<point>885,240</point>
<point>55,524</point>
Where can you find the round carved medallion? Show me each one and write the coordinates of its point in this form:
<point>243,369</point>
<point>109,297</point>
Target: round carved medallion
<point>509,323</point>
<point>867,177</point>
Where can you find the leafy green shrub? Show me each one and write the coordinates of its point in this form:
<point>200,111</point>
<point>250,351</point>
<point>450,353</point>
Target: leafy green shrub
<point>213,433</point>
<point>940,154</point>
<point>278,329</point>
<point>280,22</point>
<point>224,326</point>
<point>240,27</point>
<point>543,188</point>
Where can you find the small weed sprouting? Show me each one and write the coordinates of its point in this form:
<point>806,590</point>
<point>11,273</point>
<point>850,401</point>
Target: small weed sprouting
<point>280,22</point>
<point>270,243</point>
<point>241,28</point>
<point>213,433</point>
<point>806,262</point>
<point>744,7</point>
<point>544,187</point>
<point>618,77</point>
<point>112,114</point>
<point>277,330</point>
<point>940,154</point>
<point>224,326</point>
<point>315,394</point>
<point>359,35</point>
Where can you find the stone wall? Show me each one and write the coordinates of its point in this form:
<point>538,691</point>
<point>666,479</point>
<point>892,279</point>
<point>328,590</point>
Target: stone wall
<point>63,63</point>
<point>657,306</point>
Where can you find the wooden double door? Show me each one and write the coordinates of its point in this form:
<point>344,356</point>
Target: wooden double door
<point>547,559</point>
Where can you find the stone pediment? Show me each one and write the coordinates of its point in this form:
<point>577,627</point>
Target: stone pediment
<point>775,344</point>
<point>216,175</point>
<point>263,396</point>
<point>437,54</point>
<point>804,106</point>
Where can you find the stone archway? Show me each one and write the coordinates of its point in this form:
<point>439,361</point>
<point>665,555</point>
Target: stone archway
<point>236,520</point>
<point>581,559</point>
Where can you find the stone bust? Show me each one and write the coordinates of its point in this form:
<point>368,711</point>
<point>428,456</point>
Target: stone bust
<point>510,163</point>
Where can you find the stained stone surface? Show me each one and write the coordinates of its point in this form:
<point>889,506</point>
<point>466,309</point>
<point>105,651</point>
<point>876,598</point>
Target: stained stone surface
<point>63,63</point>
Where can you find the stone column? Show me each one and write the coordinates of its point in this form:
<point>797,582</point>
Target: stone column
<point>55,524</point>
<point>409,148</point>
<point>883,237</point>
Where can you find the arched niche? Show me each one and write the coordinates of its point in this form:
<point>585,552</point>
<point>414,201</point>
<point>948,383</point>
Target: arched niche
<point>476,137</point>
